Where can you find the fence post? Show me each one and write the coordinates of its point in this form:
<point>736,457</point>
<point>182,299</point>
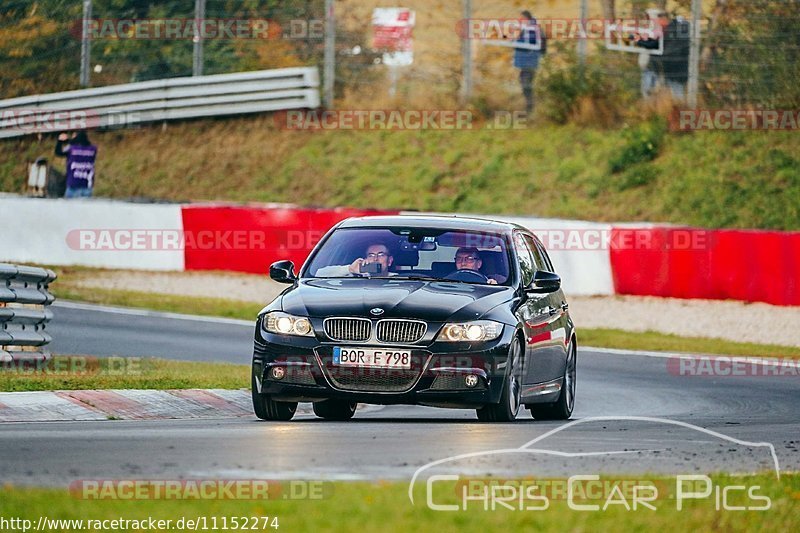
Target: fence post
<point>466,55</point>
<point>582,38</point>
<point>329,69</point>
<point>85,43</point>
<point>694,55</point>
<point>197,54</point>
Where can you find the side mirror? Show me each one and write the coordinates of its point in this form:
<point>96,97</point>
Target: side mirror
<point>544,282</point>
<point>282,272</point>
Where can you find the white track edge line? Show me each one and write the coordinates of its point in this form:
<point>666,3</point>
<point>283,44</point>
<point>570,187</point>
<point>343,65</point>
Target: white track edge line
<point>153,314</point>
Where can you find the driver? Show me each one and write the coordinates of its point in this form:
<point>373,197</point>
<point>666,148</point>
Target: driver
<point>377,253</point>
<point>468,258</point>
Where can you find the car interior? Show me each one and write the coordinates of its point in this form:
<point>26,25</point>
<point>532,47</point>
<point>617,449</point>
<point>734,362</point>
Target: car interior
<point>419,259</point>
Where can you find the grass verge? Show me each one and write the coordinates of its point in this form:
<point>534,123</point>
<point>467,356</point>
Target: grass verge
<point>79,372</point>
<point>662,342</point>
<point>168,303</point>
<point>709,179</point>
<point>383,506</point>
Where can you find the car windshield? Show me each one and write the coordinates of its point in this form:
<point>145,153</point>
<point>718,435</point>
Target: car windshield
<point>415,253</point>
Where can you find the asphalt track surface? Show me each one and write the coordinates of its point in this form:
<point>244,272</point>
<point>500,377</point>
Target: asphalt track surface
<point>79,329</point>
<point>394,442</point>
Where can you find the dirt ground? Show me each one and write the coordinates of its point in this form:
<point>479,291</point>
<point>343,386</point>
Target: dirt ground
<point>737,321</point>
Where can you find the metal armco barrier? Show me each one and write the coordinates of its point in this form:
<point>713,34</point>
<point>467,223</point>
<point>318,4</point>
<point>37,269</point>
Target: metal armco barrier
<point>24,315</point>
<point>159,100</point>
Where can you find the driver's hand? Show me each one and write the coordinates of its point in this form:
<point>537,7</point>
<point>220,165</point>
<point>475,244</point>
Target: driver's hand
<point>492,282</point>
<point>355,266</point>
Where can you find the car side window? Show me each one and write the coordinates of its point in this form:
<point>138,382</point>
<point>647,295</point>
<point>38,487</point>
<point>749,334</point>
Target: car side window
<point>550,267</point>
<point>526,264</point>
<point>538,259</point>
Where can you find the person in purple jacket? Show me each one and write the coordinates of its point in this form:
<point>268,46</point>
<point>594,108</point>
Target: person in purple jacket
<point>81,155</point>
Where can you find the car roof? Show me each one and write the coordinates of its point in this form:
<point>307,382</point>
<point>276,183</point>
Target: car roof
<point>444,222</point>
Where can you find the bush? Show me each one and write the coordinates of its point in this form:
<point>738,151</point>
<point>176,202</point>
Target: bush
<point>636,176</point>
<point>642,143</point>
<point>584,94</point>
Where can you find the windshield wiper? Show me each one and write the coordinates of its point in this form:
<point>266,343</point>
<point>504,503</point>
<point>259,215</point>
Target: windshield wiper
<point>418,278</point>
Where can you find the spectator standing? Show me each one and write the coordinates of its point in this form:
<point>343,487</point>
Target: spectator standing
<point>81,155</point>
<point>527,59</point>
<point>649,73</point>
<point>673,65</point>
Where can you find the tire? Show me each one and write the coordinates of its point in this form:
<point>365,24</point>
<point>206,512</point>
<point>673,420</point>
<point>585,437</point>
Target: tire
<point>266,408</point>
<point>507,409</point>
<point>562,408</point>
<point>335,409</point>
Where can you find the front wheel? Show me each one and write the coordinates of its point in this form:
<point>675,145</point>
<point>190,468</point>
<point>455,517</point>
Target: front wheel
<point>335,409</point>
<point>562,408</point>
<point>506,410</point>
<point>266,408</point>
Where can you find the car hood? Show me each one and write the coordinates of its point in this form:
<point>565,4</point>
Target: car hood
<point>433,301</point>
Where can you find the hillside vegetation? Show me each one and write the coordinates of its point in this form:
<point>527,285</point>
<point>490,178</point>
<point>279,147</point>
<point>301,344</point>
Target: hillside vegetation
<point>642,172</point>
<point>591,153</point>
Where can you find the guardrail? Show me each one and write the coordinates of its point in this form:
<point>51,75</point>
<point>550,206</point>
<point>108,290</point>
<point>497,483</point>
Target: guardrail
<point>160,100</point>
<point>24,297</point>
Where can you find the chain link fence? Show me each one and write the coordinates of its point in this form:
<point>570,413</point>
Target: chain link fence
<point>748,55</point>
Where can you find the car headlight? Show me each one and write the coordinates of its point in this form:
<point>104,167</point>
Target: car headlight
<point>286,324</point>
<point>479,330</point>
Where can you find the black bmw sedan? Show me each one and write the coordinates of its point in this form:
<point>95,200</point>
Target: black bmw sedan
<point>427,310</point>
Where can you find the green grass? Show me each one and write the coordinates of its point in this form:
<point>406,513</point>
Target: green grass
<point>709,179</point>
<point>384,506</point>
<point>68,287</point>
<point>79,372</point>
<point>168,303</point>
<point>663,342</point>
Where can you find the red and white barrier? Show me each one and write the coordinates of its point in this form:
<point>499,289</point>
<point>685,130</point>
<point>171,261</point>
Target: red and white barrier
<point>593,259</point>
<point>249,238</point>
<point>98,233</point>
<point>754,266</point>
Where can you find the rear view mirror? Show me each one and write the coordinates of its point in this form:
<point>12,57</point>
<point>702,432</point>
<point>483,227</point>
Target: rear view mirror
<point>545,282</point>
<point>282,272</point>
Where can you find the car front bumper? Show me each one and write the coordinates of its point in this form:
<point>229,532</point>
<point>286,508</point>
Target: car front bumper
<point>437,376</point>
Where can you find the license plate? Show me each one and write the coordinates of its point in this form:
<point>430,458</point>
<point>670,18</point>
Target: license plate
<point>369,357</point>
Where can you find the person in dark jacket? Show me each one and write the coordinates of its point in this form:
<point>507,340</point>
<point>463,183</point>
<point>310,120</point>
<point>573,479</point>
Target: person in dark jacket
<point>81,155</point>
<point>527,59</point>
<point>673,65</point>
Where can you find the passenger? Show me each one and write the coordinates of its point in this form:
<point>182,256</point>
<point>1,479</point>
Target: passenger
<point>377,254</point>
